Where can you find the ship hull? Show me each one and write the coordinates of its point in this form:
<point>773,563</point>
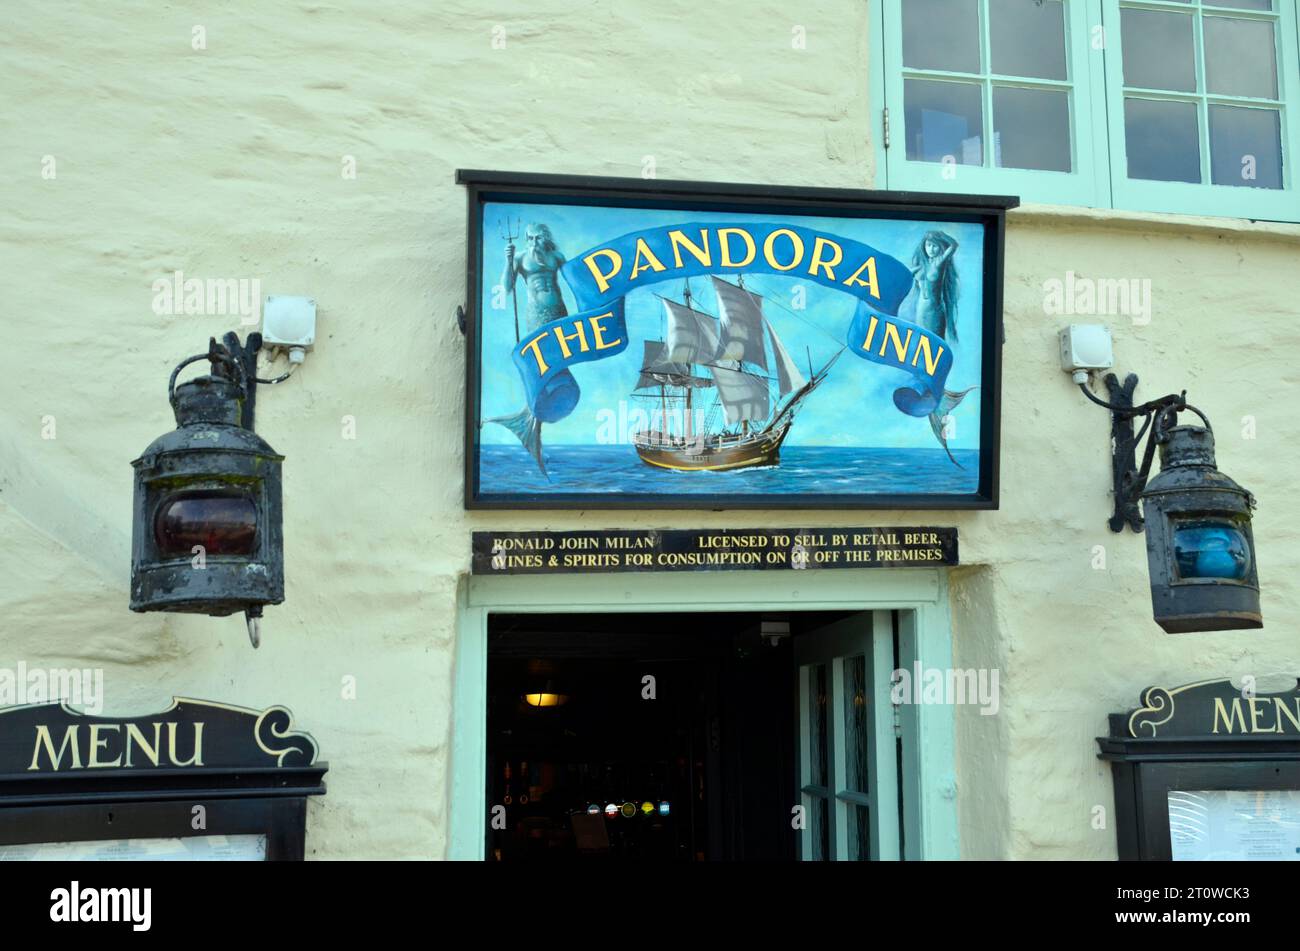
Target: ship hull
<point>713,453</point>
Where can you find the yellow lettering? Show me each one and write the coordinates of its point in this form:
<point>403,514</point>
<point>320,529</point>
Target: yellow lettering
<point>1282,710</point>
<point>818,245</point>
<point>70,738</point>
<point>871,332</point>
<point>579,334</point>
<point>796,243</point>
<point>724,240</point>
<point>133,735</point>
<point>598,332</point>
<point>900,346</point>
<point>535,346</point>
<point>1255,711</point>
<point>931,359</point>
<point>602,277</point>
<point>1221,712</point>
<point>197,758</point>
<point>679,241</point>
<point>652,262</point>
<point>870,282</point>
<point>96,742</point>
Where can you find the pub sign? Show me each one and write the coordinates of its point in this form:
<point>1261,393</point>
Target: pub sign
<point>667,344</point>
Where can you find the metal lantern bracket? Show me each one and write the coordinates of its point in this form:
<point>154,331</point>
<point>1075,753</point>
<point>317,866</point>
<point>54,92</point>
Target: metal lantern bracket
<point>1129,479</point>
<point>243,358</point>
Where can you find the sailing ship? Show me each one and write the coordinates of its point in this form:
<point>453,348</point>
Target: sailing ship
<point>719,367</point>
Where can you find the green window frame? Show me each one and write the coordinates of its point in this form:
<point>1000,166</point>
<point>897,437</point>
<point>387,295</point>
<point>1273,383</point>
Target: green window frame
<point>1095,88</point>
<point>1085,184</point>
<point>1207,198</point>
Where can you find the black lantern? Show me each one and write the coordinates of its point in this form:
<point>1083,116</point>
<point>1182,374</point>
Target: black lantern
<point>1200,547</point>
<point>207,537</point>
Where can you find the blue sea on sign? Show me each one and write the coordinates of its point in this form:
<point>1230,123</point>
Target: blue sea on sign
<point>814,470</point>
<point>663,353</point>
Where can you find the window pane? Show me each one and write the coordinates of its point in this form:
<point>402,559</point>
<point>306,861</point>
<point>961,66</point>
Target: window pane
<point>1245,147</point>
<point>1162,140</point>
<point>859,833</point>
<point>942,34</point>
<point>1240,57</point>
<point>817,750</point>
<point>943,119</point>
<point>1027,38</point>
<point>1158,50</point>
<point>1244,4</point>
<point>855,724</point>
<point>1031,128</point>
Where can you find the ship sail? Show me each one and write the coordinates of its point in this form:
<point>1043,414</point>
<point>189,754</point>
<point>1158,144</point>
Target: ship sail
<point>788,377</point>
<point>692,336</point>
<point>744,396</point>
<point>741,314</point>
<point>657,371</point>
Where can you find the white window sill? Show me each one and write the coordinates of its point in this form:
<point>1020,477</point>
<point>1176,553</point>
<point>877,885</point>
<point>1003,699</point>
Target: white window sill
<point>1148,221</point>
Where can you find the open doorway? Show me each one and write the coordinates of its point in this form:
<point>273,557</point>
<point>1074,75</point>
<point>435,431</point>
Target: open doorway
<point>691,736</point>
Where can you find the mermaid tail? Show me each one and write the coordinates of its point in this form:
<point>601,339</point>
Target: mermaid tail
<point>947,404</point>
<point>529,430</point>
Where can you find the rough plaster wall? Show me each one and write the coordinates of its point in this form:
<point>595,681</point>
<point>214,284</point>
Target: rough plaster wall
<point>1080,642</point>
<point>979,643</point>
<point>226,162</point>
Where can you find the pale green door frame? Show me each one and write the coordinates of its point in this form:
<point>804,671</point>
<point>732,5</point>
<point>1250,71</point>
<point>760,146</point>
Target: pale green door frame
<point>927,782</point>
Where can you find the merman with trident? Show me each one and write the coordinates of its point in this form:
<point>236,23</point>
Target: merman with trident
<point>539,266</point>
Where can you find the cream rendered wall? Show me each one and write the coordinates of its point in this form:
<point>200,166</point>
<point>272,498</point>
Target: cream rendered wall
<point>226,162</point>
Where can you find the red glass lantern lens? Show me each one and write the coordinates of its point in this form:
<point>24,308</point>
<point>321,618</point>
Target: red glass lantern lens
<point>222,524</point>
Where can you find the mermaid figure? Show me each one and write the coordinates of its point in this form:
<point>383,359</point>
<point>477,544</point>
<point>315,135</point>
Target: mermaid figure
<point>539,266</point>
<point>934,279</point>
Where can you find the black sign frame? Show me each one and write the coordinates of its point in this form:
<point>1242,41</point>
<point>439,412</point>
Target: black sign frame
<point>257,774</point>
<point>989,210</point>
<point>1187,738</point>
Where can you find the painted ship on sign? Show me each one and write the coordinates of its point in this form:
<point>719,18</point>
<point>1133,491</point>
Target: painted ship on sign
<point>733,370</point>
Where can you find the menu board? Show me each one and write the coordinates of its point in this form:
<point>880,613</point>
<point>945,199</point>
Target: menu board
<point>1229,824</point>
<point>199,848</point>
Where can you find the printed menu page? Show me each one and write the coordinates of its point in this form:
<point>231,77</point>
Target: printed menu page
<point>1230,824</point>
<point>200,848</point>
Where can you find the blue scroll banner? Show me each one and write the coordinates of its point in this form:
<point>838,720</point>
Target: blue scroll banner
<point>601,277</point>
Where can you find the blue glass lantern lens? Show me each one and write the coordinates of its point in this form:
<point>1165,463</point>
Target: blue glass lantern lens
<point>1211,550</point>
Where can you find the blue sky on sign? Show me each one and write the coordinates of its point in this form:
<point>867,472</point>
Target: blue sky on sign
<point>852,407</point>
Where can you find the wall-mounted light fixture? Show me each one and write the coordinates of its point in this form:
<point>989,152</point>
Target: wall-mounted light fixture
<point>774,629</point>
<point>207,535</point>
<point>1200,546</point>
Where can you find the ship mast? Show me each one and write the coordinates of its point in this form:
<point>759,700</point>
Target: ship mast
<point>663,387</point>
<point>688,424</point>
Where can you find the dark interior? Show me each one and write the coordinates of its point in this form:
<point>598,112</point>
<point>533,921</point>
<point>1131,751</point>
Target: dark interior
<point>705,766</point>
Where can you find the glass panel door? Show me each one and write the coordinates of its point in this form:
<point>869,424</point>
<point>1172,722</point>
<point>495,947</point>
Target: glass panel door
<point>848,753</point>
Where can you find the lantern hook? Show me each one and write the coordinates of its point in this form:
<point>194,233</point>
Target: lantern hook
<point>216,354</point>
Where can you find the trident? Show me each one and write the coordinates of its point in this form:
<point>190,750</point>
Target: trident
<point>509,234</point>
